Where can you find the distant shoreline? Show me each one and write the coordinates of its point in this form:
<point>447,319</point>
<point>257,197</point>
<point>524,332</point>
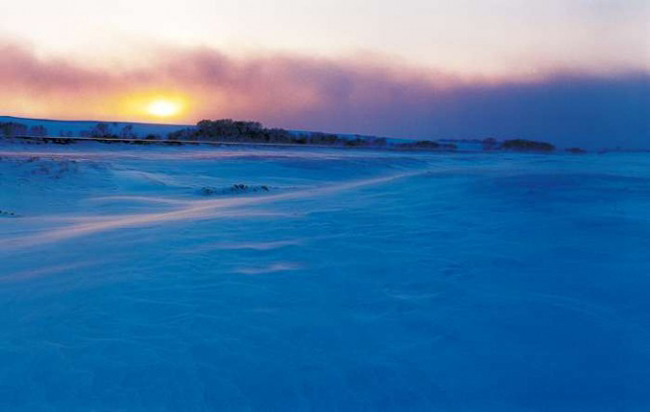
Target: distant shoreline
<point>228,132</point>
<point>143,142</point>
<point>57,140</point>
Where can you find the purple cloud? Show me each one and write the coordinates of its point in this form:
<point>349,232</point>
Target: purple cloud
<point>341,96</point>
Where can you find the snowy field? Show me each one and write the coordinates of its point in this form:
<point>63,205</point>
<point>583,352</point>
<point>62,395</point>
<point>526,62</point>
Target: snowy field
<point>206,279</point>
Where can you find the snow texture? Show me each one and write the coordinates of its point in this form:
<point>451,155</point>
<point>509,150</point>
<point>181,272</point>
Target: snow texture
<point>360,280</point>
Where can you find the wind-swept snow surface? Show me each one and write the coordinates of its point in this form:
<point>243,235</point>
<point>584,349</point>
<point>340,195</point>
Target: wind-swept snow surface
<point>196,279</point>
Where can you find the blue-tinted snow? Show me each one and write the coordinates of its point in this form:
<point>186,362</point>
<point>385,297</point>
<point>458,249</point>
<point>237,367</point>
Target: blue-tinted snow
<point>361,280</point>
<point>75,128</point>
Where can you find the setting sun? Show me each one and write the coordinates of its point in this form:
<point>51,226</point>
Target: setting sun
<point>163,108</point>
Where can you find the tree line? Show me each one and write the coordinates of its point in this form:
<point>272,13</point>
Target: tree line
<point>13,129</point>
<point>229,130</point>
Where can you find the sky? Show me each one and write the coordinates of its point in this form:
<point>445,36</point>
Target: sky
<point>572,71</point>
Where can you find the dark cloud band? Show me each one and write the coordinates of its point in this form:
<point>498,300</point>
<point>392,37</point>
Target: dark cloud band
<point>295,92</point>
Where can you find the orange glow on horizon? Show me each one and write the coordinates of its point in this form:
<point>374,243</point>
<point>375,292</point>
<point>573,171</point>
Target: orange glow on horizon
<point>155,106</point>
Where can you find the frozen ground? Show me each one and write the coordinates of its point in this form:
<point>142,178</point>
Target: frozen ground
<point>140,279</point>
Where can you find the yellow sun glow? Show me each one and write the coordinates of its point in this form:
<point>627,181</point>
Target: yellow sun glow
<point>163,108</point>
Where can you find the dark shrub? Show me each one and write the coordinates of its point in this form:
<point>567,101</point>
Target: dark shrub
<point>521,145</point>
<point>13,129</point>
